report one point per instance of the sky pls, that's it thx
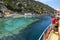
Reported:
(53, 3)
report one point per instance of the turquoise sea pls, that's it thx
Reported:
(23, 28)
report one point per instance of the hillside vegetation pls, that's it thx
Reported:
(28, 6)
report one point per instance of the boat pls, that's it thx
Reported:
(53, 33)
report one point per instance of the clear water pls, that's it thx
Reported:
(15, 23)
(11, 25)
(30, 32)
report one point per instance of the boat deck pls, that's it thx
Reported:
(53, 36)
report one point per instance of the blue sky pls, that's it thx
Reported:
(53, 3)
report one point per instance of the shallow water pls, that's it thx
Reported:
(31, 32)
(8, 26)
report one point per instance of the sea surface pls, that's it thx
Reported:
(31, 32)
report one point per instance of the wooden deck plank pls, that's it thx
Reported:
(53, 36)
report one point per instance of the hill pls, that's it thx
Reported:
(28, 6)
